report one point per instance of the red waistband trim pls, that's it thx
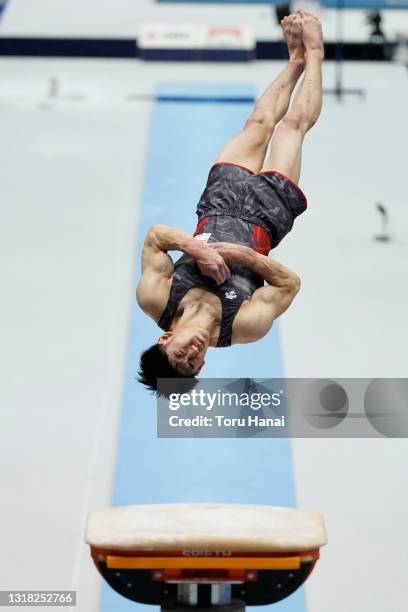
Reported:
(262, 240)
(200, 226)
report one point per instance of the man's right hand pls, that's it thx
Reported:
(212, 264)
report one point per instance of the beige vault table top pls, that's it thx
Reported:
(167, 527)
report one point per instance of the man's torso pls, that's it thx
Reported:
(188, 283)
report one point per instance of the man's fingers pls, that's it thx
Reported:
(215, 268)
(224, 274)
(220, 274)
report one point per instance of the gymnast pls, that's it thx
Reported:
(215, 294)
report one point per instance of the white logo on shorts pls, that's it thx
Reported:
(230, 295)
(203, 237)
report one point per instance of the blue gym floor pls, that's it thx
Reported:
(148, 470)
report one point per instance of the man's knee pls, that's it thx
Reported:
(297, 120)
(262, 122)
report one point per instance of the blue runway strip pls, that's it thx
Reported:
(208, 99)
(184, 141)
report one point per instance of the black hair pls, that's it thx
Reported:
(155, 364)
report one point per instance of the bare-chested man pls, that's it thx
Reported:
(216, 295)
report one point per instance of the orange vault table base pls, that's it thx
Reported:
(222, 556)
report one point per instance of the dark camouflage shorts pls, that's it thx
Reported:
(267, 199)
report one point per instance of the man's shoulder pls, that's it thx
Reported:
(252, 322)
(152, 294)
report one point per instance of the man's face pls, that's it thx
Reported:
(185, 349)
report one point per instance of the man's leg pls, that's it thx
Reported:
(248, 148)
(286, 145)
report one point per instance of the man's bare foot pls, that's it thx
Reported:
(292, 31)
(312, 34)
